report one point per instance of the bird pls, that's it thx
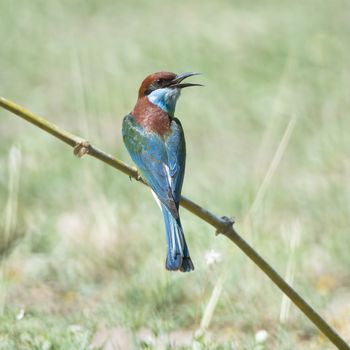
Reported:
(155, 140)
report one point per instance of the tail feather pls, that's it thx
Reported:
(178, 257)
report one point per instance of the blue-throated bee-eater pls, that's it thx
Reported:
(156, 143)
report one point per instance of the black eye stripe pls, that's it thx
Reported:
(148, 91)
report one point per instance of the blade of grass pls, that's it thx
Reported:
(294, 234)
(273, 166)
(210, 308)
(8, 235)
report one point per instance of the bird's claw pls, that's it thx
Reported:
(136, 177)
(81, 148)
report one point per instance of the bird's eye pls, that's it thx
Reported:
(160, 81)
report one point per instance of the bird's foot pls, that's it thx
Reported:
(81, 148)
(137, 177)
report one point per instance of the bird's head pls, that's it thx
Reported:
(163, 89)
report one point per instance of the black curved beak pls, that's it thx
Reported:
(176, 82)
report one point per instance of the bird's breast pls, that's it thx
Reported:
(151, 117)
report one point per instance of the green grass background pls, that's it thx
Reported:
(83, 247)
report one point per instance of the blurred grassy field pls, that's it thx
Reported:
(82, 248)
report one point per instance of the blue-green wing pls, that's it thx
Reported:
(176, 151)
(149, 152)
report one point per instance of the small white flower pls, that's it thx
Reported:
(212, 257)
(46, 345)
(261, 336)
(147, 338)
(20, 315)
(75, 329)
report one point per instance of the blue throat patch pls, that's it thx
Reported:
(165, 99)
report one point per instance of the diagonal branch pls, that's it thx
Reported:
(223, 224)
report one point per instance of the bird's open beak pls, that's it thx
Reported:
(176, 82)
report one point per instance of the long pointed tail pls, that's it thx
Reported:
(178, 257)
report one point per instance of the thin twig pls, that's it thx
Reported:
(223, 225)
